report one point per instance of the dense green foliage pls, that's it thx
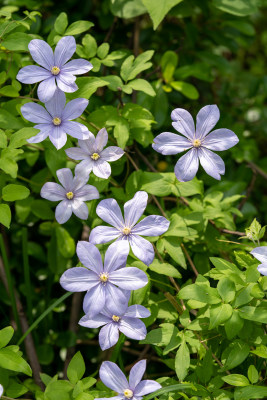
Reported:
(207, 336)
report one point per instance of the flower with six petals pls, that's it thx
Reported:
(261, 254)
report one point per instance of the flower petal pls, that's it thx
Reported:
(262, 268)
(75, 108)
(110, 212)
(112, 153)
(111, 375)
(101, 169)
(134, 208)
(46, 89)
(32, 74)
(187, 166)
(90, 256)
(260, 253)
(42, 53)
(66, 82)
(65, 177)
(78, 66)
(76, 153)
(220, 139)
(75, 130)
(108, 336)
(116, 255)
(207, 118)
(133, 328)
(35, 113)
(103, 234)
(136, 373)
(78, 279)
(79, 208)
(137, 311)
(84, 168)
(145, 387)
(94, 300)
(212, 163)
(40, 136)
(142, 249)
(58, 136)
(116, 299)
(121, 397)
(169, 143)
(64, 50)
(87, 192)
(101, 140)
(56, 104)
(88, 144)
(95, 322)
(53, 191)
(63, 211)
(183, 122)
(154, 225)
(130, 278)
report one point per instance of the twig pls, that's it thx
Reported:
(222, 230)
(144, 158)
(111, 29)
(257, 169)
(28, 98)
(189, 259)
(213, 355)
(140, 357)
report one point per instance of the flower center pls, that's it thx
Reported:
(95, 156)
(55, 70)
(103, 277)
(128, 393)
(56, 121)
(196, 143)
(69, 195)
(115, 318)
(126, 231)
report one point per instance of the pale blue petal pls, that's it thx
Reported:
(42, 53)
(108, 336)
(183, 122)
(116, 256)
(64, 50)
(78, 279)
(134, 208)
(112, 153)
(35, 113)
(66, 82)
(133, 328)
(46, 89)
(94, 300)
(154, 225)
(260, 253)
(111, 375)
(32, 74)
(145, 387)
(58, 136)
(65, 177)
(56, 104)
(53, 191)
(63, 211)
(110, 212)
(168, 143)
(220, 139)
(212, 163)
(101, 140)
(95, 322)
(75, 108)
(77, 67)
(103, 234)
(79, 208)
(130, 278)
(207, 118)
(101, 169)
(137, 311)
(136, 373)
(142, 249)
(90, 256)
(187, 166)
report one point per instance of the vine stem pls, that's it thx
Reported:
(189, 259)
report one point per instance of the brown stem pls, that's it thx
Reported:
(141, 155)
(111, 29)
(189, 259)
(213, 355)
(257, 169)
(222, 230)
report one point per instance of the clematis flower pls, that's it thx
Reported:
(126, 229)
(55, 71)
(127, 322)
(93, 156)
(1, 390)
(103, 284)
(56, 120)
(261, 254)
(73, 193)
(198, 141)
(112, 376)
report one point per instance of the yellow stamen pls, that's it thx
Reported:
(69, 195)
(95, 156)
(128, 393)
(126, 231)
(115, 318)
(55, 70)
(56, 121)
(196, 143)
(103, 277)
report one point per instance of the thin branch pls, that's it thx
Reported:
(213, 355)
(144, 158)
(111, 29)
(189, 259)
(257, 169)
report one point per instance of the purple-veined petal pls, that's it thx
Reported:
(75, 108)
(260, 253)
(262, 268)
(183, 122)
(101, 140)
(46, 89)
(53, 191)
(207, 118)
(108, 336)
(116, 255)
(142, 249)
(42, 53)
(220, 139)
(79, 181)
(111, 375)
(187, 166)
(58, 136)
(90, 256)
(145, 387)
(56, 104)
(136, 373)
(76, 153)
(130, 278)
(112, 153)
(94, 300)
(95, 322)
(211, 162)
(88, 144)
(84, 168)
(101, 169)
(103, 234)
(170, 143)
(87, 192)
(65, 177)
(66, 82)
(32, 74)
(35, 113)
(137, 311)
(75, 130)
(133, 328)
(79, 208)
(116, 299)
(110, 212)
(154, 225)
(40, 135)
(64, 50)
(63, 211)
(77, 67)
(78, 279)
(134, 208)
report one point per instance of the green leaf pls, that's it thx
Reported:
(14, 362)
(17, 41)
(66, 243)
(41, 209)
(78, 27)
(103, 50)
(131, 67)
(127, 8)
(182, 361)
(235, 354)
(219, 314)
(172, 247)
(6, 335)
(233, 325)
(186, 89)
(168, 65)
(121, 132)
(5, 215)
(226, 289)
(240, 8)
(3, 139)
(257, 314)
(201, 293)
(87, 86)
(61, 23)
(251, 392)
(58, 390)
(253, 374)
(236, 380)
(19, 138)
(9, 91)
(76, 368)
(8, 121)
(143, 86)
(15, 192)
(164, 269)
(158, 9)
